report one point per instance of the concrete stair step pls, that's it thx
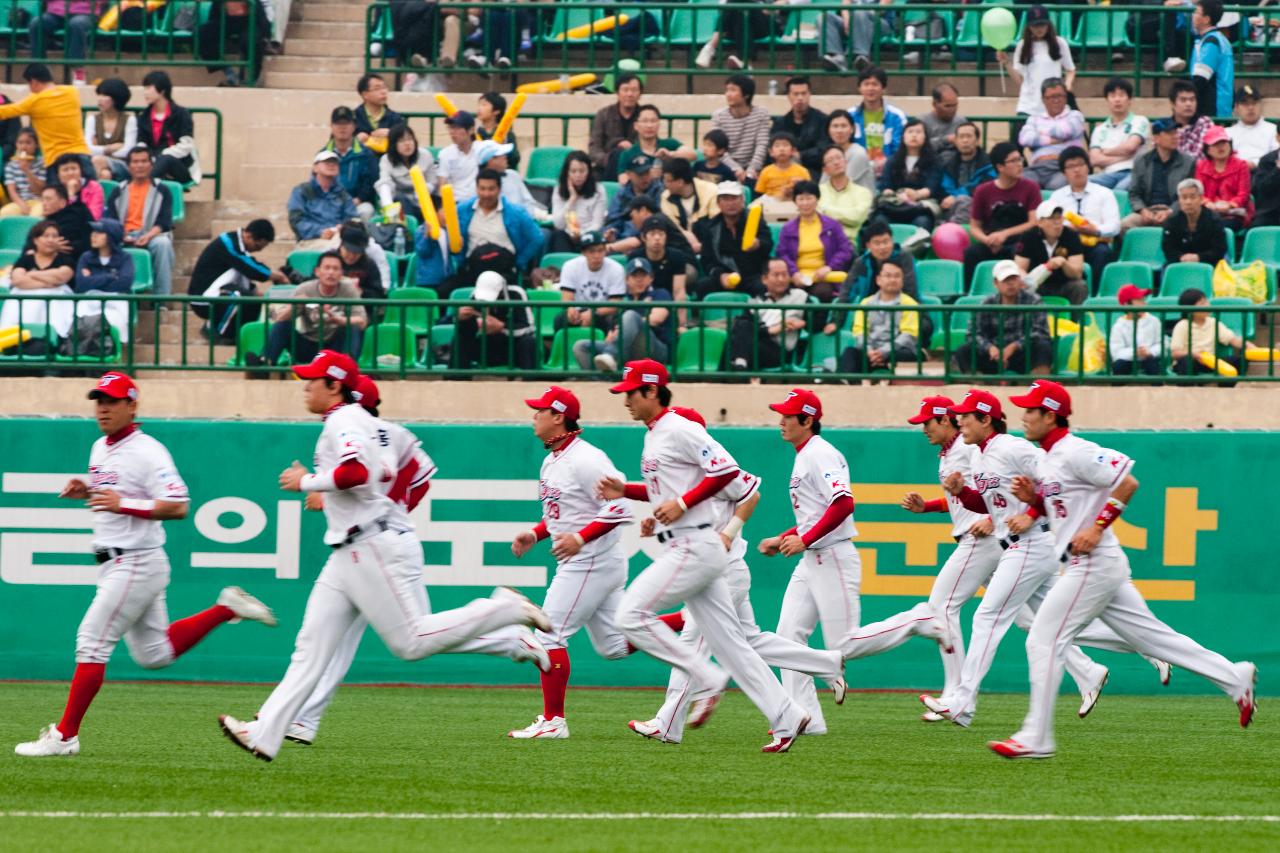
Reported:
(301, 80)
(351, 33)
(320, 47)
(331, 64)
(356, 12)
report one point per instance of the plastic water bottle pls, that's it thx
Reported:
(398, 242)
(773, 87)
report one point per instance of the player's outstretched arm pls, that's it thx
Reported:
(108, 500)
(1088, 537)
(526, 539)
(75, 489)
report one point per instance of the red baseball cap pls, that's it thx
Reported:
(639, 373)
(979, 401)
(690, 415)
(1044, 394)
(116, 385)
(333, 365)
(799, 402)
(1130, 292)
(557, 399)
(930, 408)
(366, 393)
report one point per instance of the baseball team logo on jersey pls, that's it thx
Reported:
(547, 492)
(983, 483)
(1049, 490)
(648, 465)
(173, 486)
(100, 477)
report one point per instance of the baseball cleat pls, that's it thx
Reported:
(839, 687)
(298, 733)
(245, 606)
(238, 733)
(531, 649)
(1162, 667)
(783, 744)
(1089, 698)
(943, 710)
(533, 614)
(1248, 704)
(932, 717)
(542, 729)
(932, 628)
(700, 710)
(650, 729)
(1012, 749)
(50, 743)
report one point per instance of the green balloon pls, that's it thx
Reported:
(998, 28)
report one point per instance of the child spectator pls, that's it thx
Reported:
(24, 177)
(712, 166)
(490, 108)
(1041, 55)
(778, 179)
(1200, 335)
(1137, 339)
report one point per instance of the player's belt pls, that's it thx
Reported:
(1005, 543)
(104, 555)
(363, 531)
(668, 535)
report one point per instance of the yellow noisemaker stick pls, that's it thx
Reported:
(445, 104)
(450, 207)
(1221, 365)
(550, 87)
(424, 201)
(509, 118)
(752, 228)
(602, 25)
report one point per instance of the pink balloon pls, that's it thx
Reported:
(950, 241)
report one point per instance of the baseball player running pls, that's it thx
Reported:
(683, 467)
(412, 482)
(370, 571)
(1082, 488)
(132, 488)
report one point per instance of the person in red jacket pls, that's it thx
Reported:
(1226, 180)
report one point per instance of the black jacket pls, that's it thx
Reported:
(1209, 240)
(177, 124)
(1266, 190)
(811, 137)
(225, 252)
(722, 248)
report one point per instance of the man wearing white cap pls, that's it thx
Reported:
(1051, 256)
(319, 206)
(727, 265)
(1008, 340)
(495, 156)
(497, 333)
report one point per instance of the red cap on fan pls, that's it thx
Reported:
(799, 402)
(557, 399)
(978, 401)
(1044, 394)
(690, 415)
(930, 408)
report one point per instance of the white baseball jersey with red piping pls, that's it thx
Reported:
(351, 433)
(819, 475)
(567, 489)
(413, 466)
(135, 467)
(964, 458)
(726, 503)
(1001, 459)
(1076, 479)
(669, 471)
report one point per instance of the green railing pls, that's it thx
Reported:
(918, 40)
(215, 174)
(415, 338)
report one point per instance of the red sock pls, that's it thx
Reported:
(674, 621)
(84, 686)
(555, 683)
(185, 633)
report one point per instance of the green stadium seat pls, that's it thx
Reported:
(958, 329)
(1062, 348)
(940, 278)
(1143, 245)
(1122, 201)
(108, 187)
(822, 353)
(982, 283)
(1184, 276)
(1241, 323)
(610, 190)
(557, 259)
(692, 27)
(545, 317)
(1103, 29)
(560, 356)
(179, 205)
(418, 318)
(544, 163)
(143, 280)
(388, 346)
(252, 338)
(39, 332)
(1119, 273)
(14, 230)
(700, 350)
(302, 261)
(721, 317)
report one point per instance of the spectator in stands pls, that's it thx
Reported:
(670, 265)
(964, 168)
(943, 120)
(1266, 191)
(746, 125)
(422, 30)
(491, 155)
(806, 125)
(911, 184)
(1136, 338)
(357, 266)
(373, 119)
(357, 165)
(24, 177)
(229, 25)
(1212, 70)
(318, 206)
(613, 128)
(73, 20)
(1041, 55)
(496, 236)
(111, 132)
(490, 108)
(723, 257)
(227, 267)
(105, 268)
(1051, 257)
(639, 332)
(144, 208)
(167, 128)
(685, 200)
(778, 179)
(394, 184)
(882, 339)
(639, 209)
(510, 336)
(54, 112)
(741, 30)
(764, 338)
(458, 165)
(864, 24)
(840, 131)
(303, 329)
(578, 204)
(649, 142)
(1002, 210)
(813, 245)
(642, 181)
(591, 277)
(1198, 335)
(1253, 137)
(43, 270)
(1193, 233)
(69, 171)
(842, 199)
(1153, 189)
(715, 151)
(1050, 132)
(1091, 210)
(1007, 340)
(490, 40)
(877, 123)
(72, 218)
(433, 258)
(880, 249)
(1191, 124)
(1226, 180)
(1115, 143)
(9, 129)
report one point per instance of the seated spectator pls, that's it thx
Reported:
(421, 31)
(111, 132)
(643, 182)
(69, 172)
(806, 126)
(1226, 179)
(778, 179)
(650, 143)
(882, 339)
(842, 199)
(490, 108)
(639, 210)
(71, 217)
(496, 236)
(1047, 134)
(317, 207)
(302, 329)
(712, 166)
(24, 177)
(877, 123)
(1002, 210)
(964, 168)
(613, 128)
(880, 249)
(433, 258)
(1199, 335)
(46, 269)
(73, 20)
(1157, 173)
(490, 40)
(723, 257)
(639, 332)
(1266, 190)
(742, 31)
(813, 246)
(943, 119)
(490, 155)
(54, 112)
(765, 338)
(1051, 258)
(373, 119)
(1252, 137)
(357, 266)
(862, 27)
(1040, 55)
(357, 166)
(1091, 210)
(578, 205)
(1115, 143)
(105, 268)
(1137, 339)
(227, 267)
(591, 277)
(229, 25)
(747, 127)
(1191, 125)
(394, 184)
(1194, 233)
(840, 131)
(670, 265)
(458, 164)
(144, 208)
(510, 336)
(1007, 340)
(685, 200)
(166, 128)
(911, 184)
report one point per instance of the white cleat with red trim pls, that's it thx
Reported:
(531, 649)
(533, 614)
(783, 744)
(50, 743)
(1089, 698)
(1012, 749)
(651, 729)
(542, 729)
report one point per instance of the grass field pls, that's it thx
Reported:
(401, 768)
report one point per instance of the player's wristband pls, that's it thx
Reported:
(1033, 512)
(1109, 513)
(732, 528)
(936, 505)
(540, 531)
(580, 540)
(317, 482)
(683, 505)
(137, 508)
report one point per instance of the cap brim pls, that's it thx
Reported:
(98, 394)
(919, 419)
(623, 387)
(782, 409)
(537, 403)
(309, 371)
(956, 410)
(1026, 401)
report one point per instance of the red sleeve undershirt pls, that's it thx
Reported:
(540, 531)
(972, 501)
(404, 477)
(1036, 508)
(708, 487)
(936, 505)
(840, 509)
(636, 491)
(416, 494)
(596, 529)
(350, 474)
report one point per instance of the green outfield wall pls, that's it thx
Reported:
(1200, 538)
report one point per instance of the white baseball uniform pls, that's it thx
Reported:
(678, 455)
(1077, 477)
(370, 572)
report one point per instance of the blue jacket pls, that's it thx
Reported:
(525, 234)
(895, 120)
(116, 276)
(312, 210)
(357, 171)
(433, 267)
(618, 217)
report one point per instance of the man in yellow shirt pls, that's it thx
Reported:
(55, 115)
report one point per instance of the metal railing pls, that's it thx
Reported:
(215, 174)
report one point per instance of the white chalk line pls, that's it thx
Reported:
(637, 816)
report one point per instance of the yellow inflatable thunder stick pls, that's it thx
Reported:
(450, 207)
(509, 118)
(1221, 365)
(550, 87)
(601, 25)
(429, 217)
(445, 104)
(752, 228)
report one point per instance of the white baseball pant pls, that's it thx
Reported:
(824, 588)
(693, 571)
(970, 566)
(370, 577)
(1098, 585)
(129, 603)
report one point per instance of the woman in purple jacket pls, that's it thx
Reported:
(814, 246)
